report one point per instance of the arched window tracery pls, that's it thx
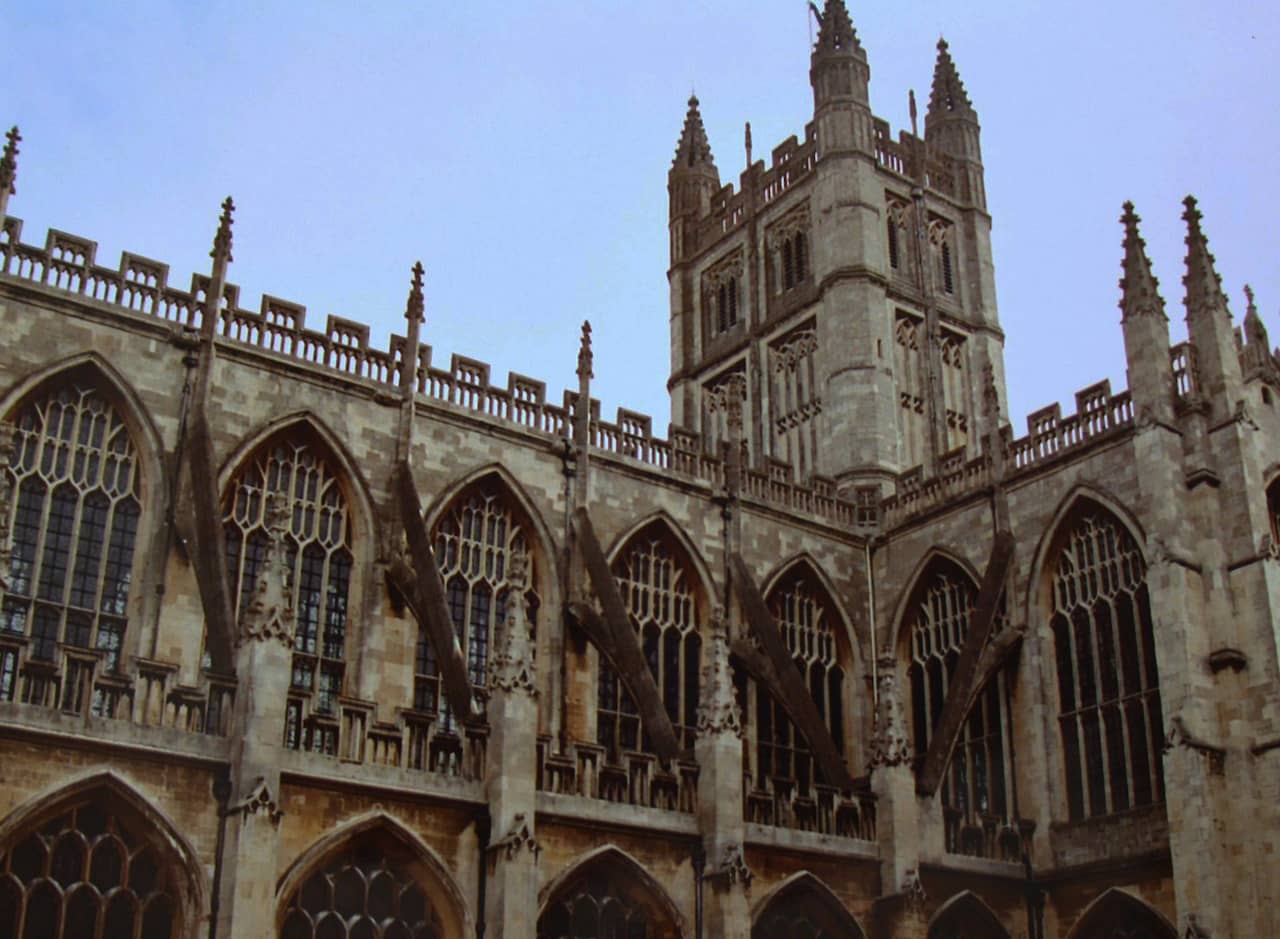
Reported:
(807, 618)
(978, 784)
(373, 888)
(656, 581)
(473, 542)
(608, 898)
(1117, 915)
(1108, 683)
(318, 554)
(88, 871)
(76, 492)
(805, 911)
(966, 917)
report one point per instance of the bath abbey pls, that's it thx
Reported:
(306, 638)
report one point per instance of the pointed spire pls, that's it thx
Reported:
(1139, 289)
(413, 316)
(947, 97)
(9, 161)
(694, 149)
(718, 702)
(1204, 286)
(836, 32)
(413, 310)
(1257, 349)
(222, 240)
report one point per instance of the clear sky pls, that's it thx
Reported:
(520, 150)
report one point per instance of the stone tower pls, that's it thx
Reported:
(849, 283)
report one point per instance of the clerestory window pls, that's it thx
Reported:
(657, 588)
(318, 554)
(1108, 683)
(977, 784)
(74, 527)
(474, 543)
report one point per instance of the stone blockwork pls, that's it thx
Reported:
(299, 637)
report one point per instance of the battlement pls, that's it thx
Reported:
(1099, 414)
(792, 161)
(141, 286)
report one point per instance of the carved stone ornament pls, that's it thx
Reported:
(727, 395)
(718, 704)
(797, 220)
(511, 666)
(732, 871)
(722, 271)
(258, 800)
(939, 232)
(519, 838)
(797, 348)
(890, 745)
(1244, 416)
(270, 613)
(7, 449)
(1267, 548)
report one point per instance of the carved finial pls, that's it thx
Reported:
(747, 141)
(1204, 286)
(511, 665)
(911, 108)
(585, 357)
(693, 148)
(718, 702)
(270, 613)
(222, 240)
(8, 445)
(913, 890)
(889, 744)
(1139, 289)
(947, 95)
(735, 394)
(1257, 350)
(9, 161)
(413, 310)
(835, 30)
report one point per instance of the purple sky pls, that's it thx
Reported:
(521, 151)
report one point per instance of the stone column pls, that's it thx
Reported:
(718, 750)
(900, 909)
(511, 897)
(262, 657)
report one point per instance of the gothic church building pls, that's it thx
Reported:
(308, 639)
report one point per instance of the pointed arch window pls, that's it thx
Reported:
(609, 897)
(318, 553)
(978, 784)
(966, 917)
(794, 259)
(372, 889)
(785, 770)
(656, 582)
(88, 871)
(473, 546)
(1108, 684)
(74, 528)
(805, 910)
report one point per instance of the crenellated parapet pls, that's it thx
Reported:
(141, 286)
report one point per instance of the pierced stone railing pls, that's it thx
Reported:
(636, 778)
(1099, 413)
(822, 809)
(986, 836)
(141, 286)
